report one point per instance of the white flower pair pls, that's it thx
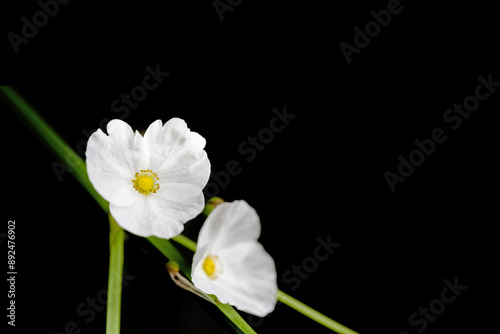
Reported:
(154, 186)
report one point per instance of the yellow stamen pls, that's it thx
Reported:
(209, 266)
(145, 182)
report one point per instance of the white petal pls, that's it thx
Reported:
(139, 218)
(195, 172)
(181, 201)
(112, 160)
(228, 224)
(247, 279)
(163, 213)
(196, 266)
(176, 153)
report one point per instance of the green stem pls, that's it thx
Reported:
(186, 242)
(286, 299)
(116, 240)
(313, 314)
(235, 317)
(71, 159)
(78, 168)
(171, 253)
(117, 235)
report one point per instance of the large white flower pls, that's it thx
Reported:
(230, 263)
(153, 183)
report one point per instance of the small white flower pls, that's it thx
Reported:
(153, 183)
(230, 263)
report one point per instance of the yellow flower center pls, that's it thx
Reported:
(145, 182)
(209, 266)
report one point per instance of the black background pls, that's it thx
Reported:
(322, 175)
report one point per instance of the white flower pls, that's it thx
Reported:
(153, 183)
(230, 263)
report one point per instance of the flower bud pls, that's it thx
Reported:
(173, 267)
(212, 204)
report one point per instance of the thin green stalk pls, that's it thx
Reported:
(235, 317)
(287, 299)
(67, 155)
(186, 242)
(171, 253)
(116, 240)
(313, 314)
(79, 170)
